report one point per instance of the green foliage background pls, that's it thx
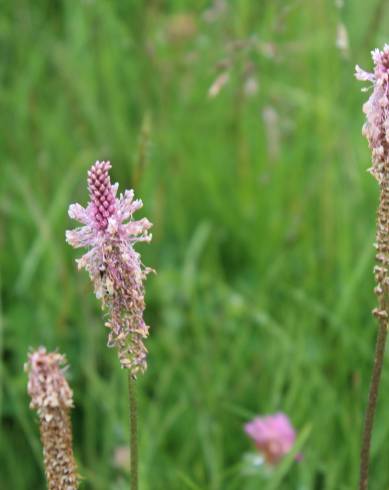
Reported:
(264, 253)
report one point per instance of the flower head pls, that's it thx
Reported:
(114, 267)
(273, 436)
(376, 128)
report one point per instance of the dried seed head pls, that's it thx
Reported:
(52, 398)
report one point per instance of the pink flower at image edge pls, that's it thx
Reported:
(376, 127)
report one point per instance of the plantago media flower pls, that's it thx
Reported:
(52, 398)
(273, 436)
(376, 128)
(114, 267)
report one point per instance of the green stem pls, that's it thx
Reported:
(133, 433)
(372, 403)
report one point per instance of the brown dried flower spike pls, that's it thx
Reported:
(52, 398)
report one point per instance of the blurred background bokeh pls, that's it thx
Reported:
(239, 125)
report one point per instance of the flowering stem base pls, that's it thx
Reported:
(133, 432)
(372, 403)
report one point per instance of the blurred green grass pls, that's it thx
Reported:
(263, 228)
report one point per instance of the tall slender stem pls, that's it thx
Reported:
(376, 132)
(372, 402)
(133, 432)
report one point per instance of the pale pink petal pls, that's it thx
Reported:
(79, 213)
(81, 237)
(363, 75)
(115, 188)
(137, 227)
(126, 205)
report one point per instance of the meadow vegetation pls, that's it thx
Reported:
(263, 233)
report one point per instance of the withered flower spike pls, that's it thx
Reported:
(52, 398)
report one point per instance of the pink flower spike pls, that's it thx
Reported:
(376, 127)
(115, 268)
(273, 436)
(101, 194)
